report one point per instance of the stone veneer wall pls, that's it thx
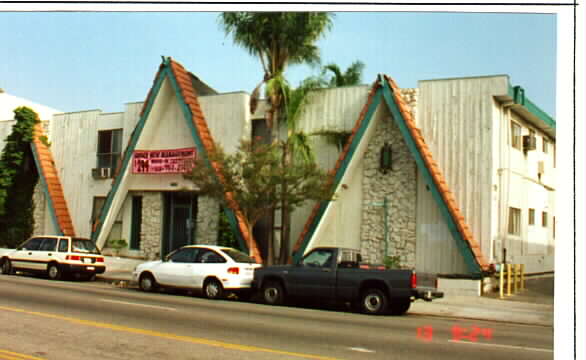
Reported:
(206, 231)
(152, 224)
(208, 216)
(399, 186)
(39, 203)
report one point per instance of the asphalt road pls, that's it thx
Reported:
(42, 319)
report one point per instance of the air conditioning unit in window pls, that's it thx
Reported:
(529, 142)
(101, 173)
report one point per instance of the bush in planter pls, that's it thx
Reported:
(117, 244)
(392, 262)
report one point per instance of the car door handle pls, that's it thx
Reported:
(50, 254)
(30, 253)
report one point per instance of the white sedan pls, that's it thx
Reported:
(214, 270)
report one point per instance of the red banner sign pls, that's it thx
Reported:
(175, 161)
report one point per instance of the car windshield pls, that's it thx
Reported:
(84, 246)
(238, 256)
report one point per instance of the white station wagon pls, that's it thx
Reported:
(214, 270)
(54, 256)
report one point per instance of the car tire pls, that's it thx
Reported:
(7, 267)
(399, 307)
(273, 293)
(147, 283)
(89, 277)
(54, 271)
(373, 302)
(213, 289)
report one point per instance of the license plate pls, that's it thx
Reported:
(90, 268)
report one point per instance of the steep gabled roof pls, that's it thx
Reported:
(433, 176)
(183, 84)
(386, 89)
(51, 184)
(336, 174)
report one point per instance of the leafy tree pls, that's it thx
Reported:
(277, 40)
(253, 174)
(18, 178)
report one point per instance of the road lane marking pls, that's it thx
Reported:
(169, 336)
(502, 346)
(361, 349)
(138, 304)
(12, 355)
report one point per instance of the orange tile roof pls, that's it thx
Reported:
(437, 176)
(190, 98)
(431, 165)
(49, 173)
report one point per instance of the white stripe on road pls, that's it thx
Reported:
(502, 346)
(359, 349)
(137, 304)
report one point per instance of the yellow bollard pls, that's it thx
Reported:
(508, 279)
(502, 281)
(522, 277)
(515, 278)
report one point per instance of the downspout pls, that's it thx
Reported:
(504, 190)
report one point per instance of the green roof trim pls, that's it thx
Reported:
(201, 149)
(46, 191)
(518, 95)
(340, 173)
(462, 245)
(129, 151)
(165, 72)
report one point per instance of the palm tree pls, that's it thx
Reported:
(352, 75)
(277, 40)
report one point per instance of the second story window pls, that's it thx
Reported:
(514, 221)
(531, 216)
(109, 148)
(516, 135)
(545, 146)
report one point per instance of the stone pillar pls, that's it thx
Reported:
(208, 216)
(40, 206)
(152, 225)
(399, 186)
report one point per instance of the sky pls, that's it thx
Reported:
(74, 61)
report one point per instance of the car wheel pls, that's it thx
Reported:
(400, 307)
(54, 272)
(147, 283)
(373, 302)
(7, 267)
(273, 293)
(213, 289)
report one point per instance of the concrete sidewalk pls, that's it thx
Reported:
(534, 306)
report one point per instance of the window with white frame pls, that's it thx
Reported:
(109, 148)
(545, 146)
(516, 135)
(544, 219)
(514, 221)
(531, 216)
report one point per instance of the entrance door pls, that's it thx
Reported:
(179, 225)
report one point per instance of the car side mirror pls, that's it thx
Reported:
(19, 248)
